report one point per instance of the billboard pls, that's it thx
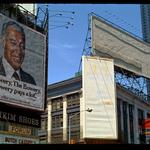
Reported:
(22, 50)
(99, 95)
(128, 52)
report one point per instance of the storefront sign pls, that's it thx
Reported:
(18, 118)
(11, 139)
(19, 130)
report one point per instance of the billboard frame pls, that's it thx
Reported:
(43, 86)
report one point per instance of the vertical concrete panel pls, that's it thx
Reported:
(49, 122)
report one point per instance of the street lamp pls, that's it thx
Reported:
(69, 124)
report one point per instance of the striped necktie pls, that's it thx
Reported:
(16, 76)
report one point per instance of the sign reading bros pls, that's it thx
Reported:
(21, 119)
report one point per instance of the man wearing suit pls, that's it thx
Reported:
(13, 38)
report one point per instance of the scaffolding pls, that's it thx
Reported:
(129, 80)
(37, 22)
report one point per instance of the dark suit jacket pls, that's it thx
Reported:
(25, 77)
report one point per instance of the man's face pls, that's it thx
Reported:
(14, 47)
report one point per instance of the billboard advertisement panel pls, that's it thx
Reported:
(99, 95)
(128, 52)
(22, 65)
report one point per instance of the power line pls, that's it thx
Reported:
(59, 18)
(121, 20)
(63, 11)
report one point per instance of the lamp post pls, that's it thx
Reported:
(69, 124)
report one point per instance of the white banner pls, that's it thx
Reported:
(99, 95)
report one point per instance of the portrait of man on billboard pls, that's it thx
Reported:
(22, 64)
(13, 44)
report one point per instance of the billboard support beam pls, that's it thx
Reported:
(111, 41)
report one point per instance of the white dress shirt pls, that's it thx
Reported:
(8, 69)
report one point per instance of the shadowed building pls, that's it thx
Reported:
(65, 98)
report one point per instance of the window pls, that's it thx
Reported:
(131, 108)
(57, 104)
(73, 100)
(140, 125)
(75, 135)
(148, 115)
(75, 120)
(43, 139)
(44, 123)
(125, 124)
(57, 121)
(57, 138)
(2, 125)
(74, 126)
(119, 118)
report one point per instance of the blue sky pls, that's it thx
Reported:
(66, 45)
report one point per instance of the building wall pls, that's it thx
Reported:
(134, 110)
(145, 21)
(131, 112)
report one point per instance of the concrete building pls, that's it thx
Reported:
(145, 20)
(64, 99)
